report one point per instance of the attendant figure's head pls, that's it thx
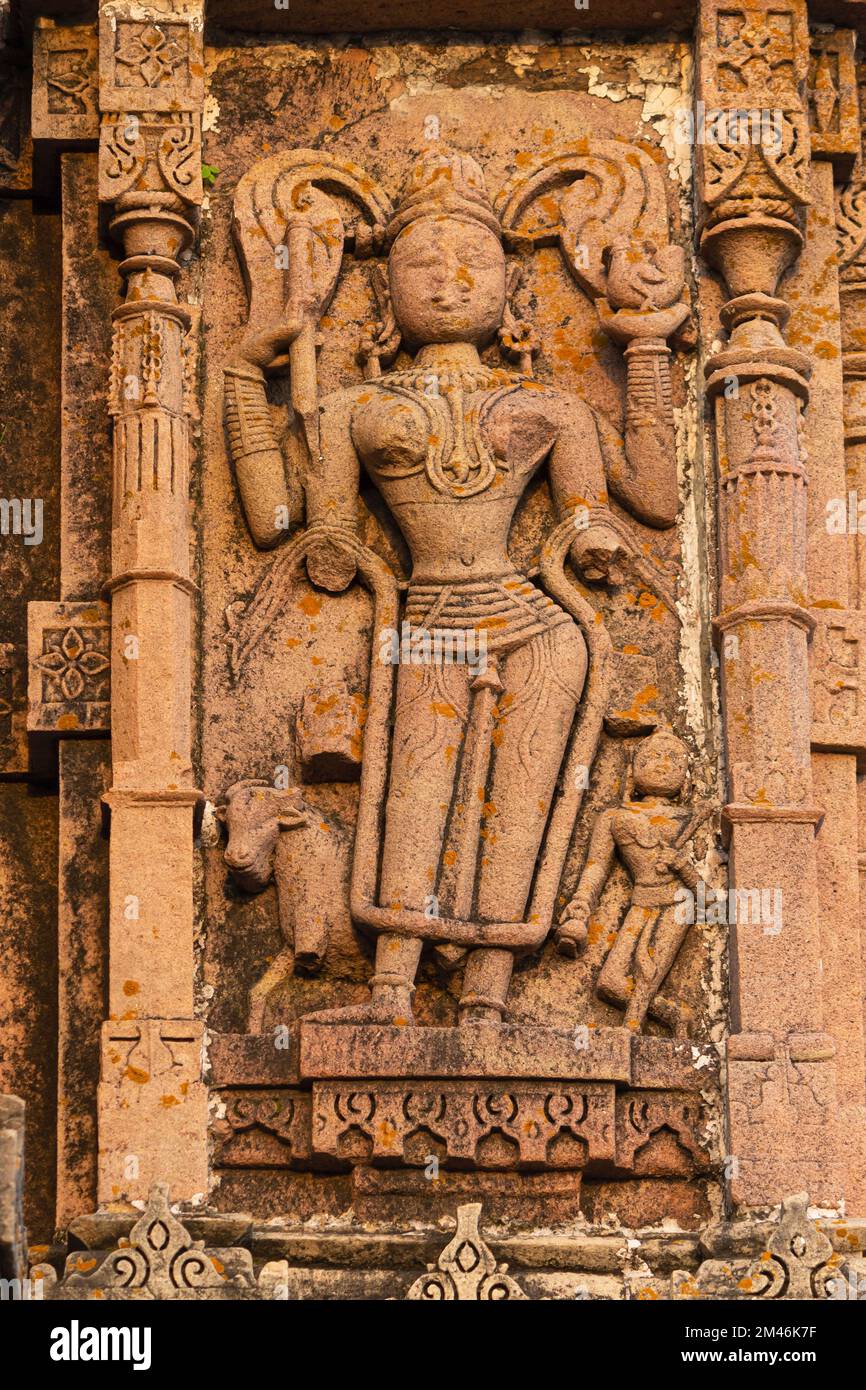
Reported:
(660, 765)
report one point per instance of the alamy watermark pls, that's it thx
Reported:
(421, 646)
(22, 516)
(756, 907)
(846, 515)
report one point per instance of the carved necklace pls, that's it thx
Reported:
(458, 461)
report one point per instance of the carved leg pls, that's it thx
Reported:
(543, 682)
(617, 978)
(485, 986)
(663, 940)
(430, 721)
(279, 969)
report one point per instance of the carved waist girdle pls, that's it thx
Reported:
(509, 609)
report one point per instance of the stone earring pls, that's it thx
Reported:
(380, 340)
(518, 339)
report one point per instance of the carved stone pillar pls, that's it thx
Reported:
(842, 679)
(153, 1104)
(754, 189)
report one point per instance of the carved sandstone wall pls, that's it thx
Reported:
(433, 712)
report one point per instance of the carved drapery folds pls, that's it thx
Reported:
(150, 95)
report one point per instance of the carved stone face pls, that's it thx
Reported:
(447, 281)
(660, 766)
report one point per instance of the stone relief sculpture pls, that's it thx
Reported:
(474, 767)
(651, 833)
(431, 622)
(275, 835)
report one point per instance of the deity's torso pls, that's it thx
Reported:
(452, 453)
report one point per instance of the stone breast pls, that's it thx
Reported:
(463, 439)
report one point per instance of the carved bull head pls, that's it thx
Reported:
(254, 812)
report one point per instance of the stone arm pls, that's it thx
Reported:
(599, 861)
(685, 870)
(572, 931)
(577, 481)
(256, 456)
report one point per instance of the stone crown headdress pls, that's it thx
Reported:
(442, 182)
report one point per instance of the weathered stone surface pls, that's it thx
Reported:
(70, 668)
(420, 863)
(65, 102)
(160, 1260)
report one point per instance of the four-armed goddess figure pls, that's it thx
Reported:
(472, 772)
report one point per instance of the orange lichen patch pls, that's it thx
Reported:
(387, 1133)
(652, 604)
(218, 1265)
(337, 122)
(131, 987)
(67, 721)
(168, 1101)
(83, 1265)
(594, 932)
(443, 709)
(488, 809)
(643, 698)
(449, 858)
(311, 604)
(324, 706)
(137, 1075)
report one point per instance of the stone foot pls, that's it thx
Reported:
(391, 1012)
